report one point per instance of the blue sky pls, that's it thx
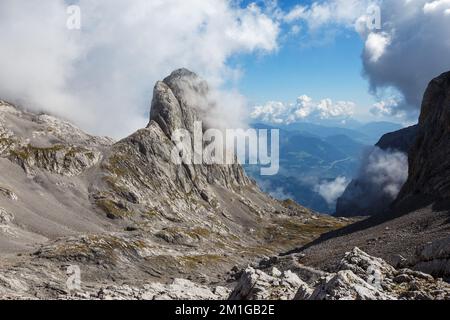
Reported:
(304, 65)
(140, 42)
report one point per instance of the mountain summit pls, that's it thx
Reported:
(125, 210)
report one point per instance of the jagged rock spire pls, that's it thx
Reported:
(178, 100)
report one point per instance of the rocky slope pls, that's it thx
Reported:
(358, 276)
(364, 195)
(124, 212)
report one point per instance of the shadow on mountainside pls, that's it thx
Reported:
(442, 205)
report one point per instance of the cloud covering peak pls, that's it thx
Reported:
(102, 75)
(408, 48)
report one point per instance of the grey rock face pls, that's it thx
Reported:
(345, 285)
(5, 217)
(429, 169)
(401, 140)
(5, 192)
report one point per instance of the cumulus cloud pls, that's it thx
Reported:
(332, 190)
(102, 75)
(305, 109)
(272, 112)
(437, 6)
(409, 48)
(376, 45)
(388, 108)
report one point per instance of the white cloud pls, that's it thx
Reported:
(295, 29)
(388, 108)
(323, 109)
(437, 6)
(276, 192)
(375, 46)
(417, 49)
(386, 170)
(325, 13)
(410, 48)
(332, 190)
(102, 76)
(273, 112)
(305, 109)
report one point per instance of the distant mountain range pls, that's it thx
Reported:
(312, 155)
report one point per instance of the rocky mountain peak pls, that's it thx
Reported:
(178, 101)
(429, 169)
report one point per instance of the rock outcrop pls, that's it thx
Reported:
(429, 168)
(140, 173)
(358, 276)
(434, 258)
(257, 285)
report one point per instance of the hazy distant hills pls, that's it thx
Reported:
(313, 154)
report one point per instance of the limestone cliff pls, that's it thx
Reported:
(429, 168)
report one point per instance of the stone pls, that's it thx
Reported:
(8, 194)
(346, 285)
(429, 173)
(5, 217)
(257, 285)
(434, 258)
(398, 261)
(359, 276)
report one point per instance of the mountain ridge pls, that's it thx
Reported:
(124, 211)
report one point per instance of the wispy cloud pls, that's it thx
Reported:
(102, 76)
(382, 174)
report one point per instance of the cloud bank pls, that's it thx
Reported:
(412, 49)
(332, 190)
(305, 109)
(102, 76)
(409, 49)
